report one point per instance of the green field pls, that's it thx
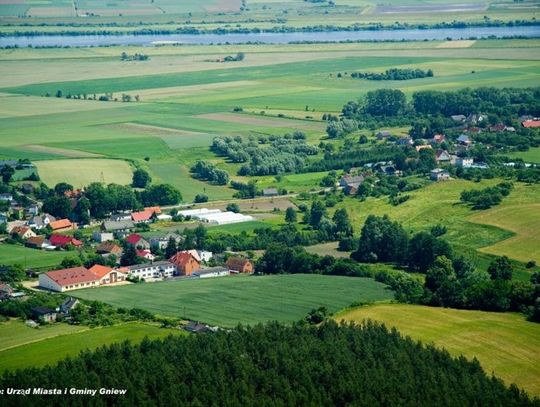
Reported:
(30, 258)
(81, 172)
(509, 228)
(30, 347)
(532, 155)
(185, 101)
(227, 301)
(504, 343)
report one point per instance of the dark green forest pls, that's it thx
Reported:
(272, 365)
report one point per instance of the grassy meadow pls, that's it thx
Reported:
(504, 343)
(228, 301)
(31, 258)
(31, 347)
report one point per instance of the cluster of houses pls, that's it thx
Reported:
(182, 264)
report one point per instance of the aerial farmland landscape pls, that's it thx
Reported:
(269, 202)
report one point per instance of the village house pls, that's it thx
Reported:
(32, 210)
(464, 140)
(438, 139)
(137, 241)
(270, 192)
(62, 241)
(68, 279)
(108, 248)
(438, 174)
(185, 263)
(6, 197)
(117, 217)
(107, 275)
(239, 265)
(38, 242)
(44, 314)
(62, 225)
(40, 222)
(146, 254)
(119, 228)
(24, 232)
(69, 304)
(531, 124)
(405, 141)
(443, 156)
(163, 241)
(464, 162)
(350, 183)
(150, 271)
(101, 237)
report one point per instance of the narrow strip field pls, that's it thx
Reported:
(227, 301)
(67, 342)
(504, 343)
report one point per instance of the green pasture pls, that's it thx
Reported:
(504, 343)
(81, 172)
(438, 203)
(33, 349)
(31, 258)
(227, 301)
(532, 155)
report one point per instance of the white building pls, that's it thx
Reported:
(101, 237)
(212, 272)
(149, 271)
(464, 162)
(68, 279)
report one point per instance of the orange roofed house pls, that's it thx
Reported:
(61, 225)
(185, 263)
(68, 279)
(107, 275)
(239, 265)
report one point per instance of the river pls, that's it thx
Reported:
(271, 37)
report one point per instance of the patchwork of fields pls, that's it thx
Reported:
(504, 343)
(228, 301)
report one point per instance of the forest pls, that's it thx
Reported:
(272, 365)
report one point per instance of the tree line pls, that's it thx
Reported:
(271, 364)
(394, 74)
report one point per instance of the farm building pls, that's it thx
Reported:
(531, 124)
(185, 263)
(464, 140)
(62, 241)
(68, 279)
(38, 242)
(224, 218)
(142, 216)
(351, 183)
(239, 265)
(163, 241)
(270, 192)
(194, 213)
(438, 174)
(383, 134)
(212, 272)
(70, 303)
(155, 270)
(107, 275)
(61, 225)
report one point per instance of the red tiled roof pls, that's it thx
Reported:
(142, 253)
(531, 124)
(141, 216)
(74, 275)
(20, 230)
(100, 271)
(180, 259)
(133, 238)
(61, 224)
(153, 209)
(237, 263)
(62, 240)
